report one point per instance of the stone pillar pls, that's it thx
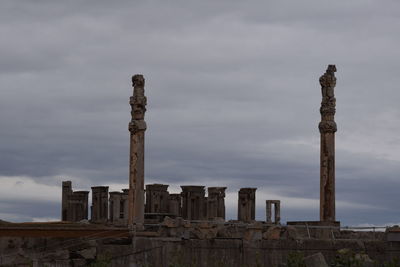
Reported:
(137, 128)
(175, 204)
(277, 204)
(216, 202)
(99, 204)
(193, 199)
(247, 204)
(66, 192)
(157, 198)
(327, 128)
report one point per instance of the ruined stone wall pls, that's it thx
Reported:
(167, 252)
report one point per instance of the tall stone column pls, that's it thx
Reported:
(137, 128)
(327, 128)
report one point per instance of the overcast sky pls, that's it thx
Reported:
(233, 100)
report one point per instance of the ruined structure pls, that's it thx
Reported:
(99, 204)
(175, 205)
(277, 211)
(118, 214)
(327, 128)
(137, 128)
(74, 206)
(66, 192)
(193, 202)
(186, 241)
(247, 204)
(216, 202)
(157, 198)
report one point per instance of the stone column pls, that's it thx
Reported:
(247, 204)
(157, 198)
(137, 128)
(66, 192)
(216, 202)
(327, 128)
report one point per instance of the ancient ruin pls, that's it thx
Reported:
(74, 204)
(99, 209)
(277, 211)
(150, 226)
(175, 205)
(327, 128)
(194, 202)
(157, 198)
(118, 202)
(137, 128)
(216, 203)
(247, 204)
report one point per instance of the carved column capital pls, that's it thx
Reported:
(138, 104)
(327, 127)
(328, 103)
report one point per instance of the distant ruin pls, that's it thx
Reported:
(132, 206)
(146, 225)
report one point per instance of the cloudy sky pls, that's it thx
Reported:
(233, 100)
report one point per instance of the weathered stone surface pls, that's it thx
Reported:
(169, 251)
(277, 204)
(79, 263)
(193, 202)
(169, 222)
(175, 204)
(292, 233)
(66, 192)
(60, 254)
(74, 205)
(216, 202)
(327, 128)
(89, 253)
(365, 260)
(137, 128)
(247, 204)
(99, 204)
(118, 214)
(273, 233)
(157, 198)
(315, 260)
(253, 234)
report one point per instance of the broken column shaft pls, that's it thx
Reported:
(137, 128)
(327, 128)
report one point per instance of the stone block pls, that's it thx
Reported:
(273, 233)
(89, 253)
(169, 222)
(79, 262)
(315, 260)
